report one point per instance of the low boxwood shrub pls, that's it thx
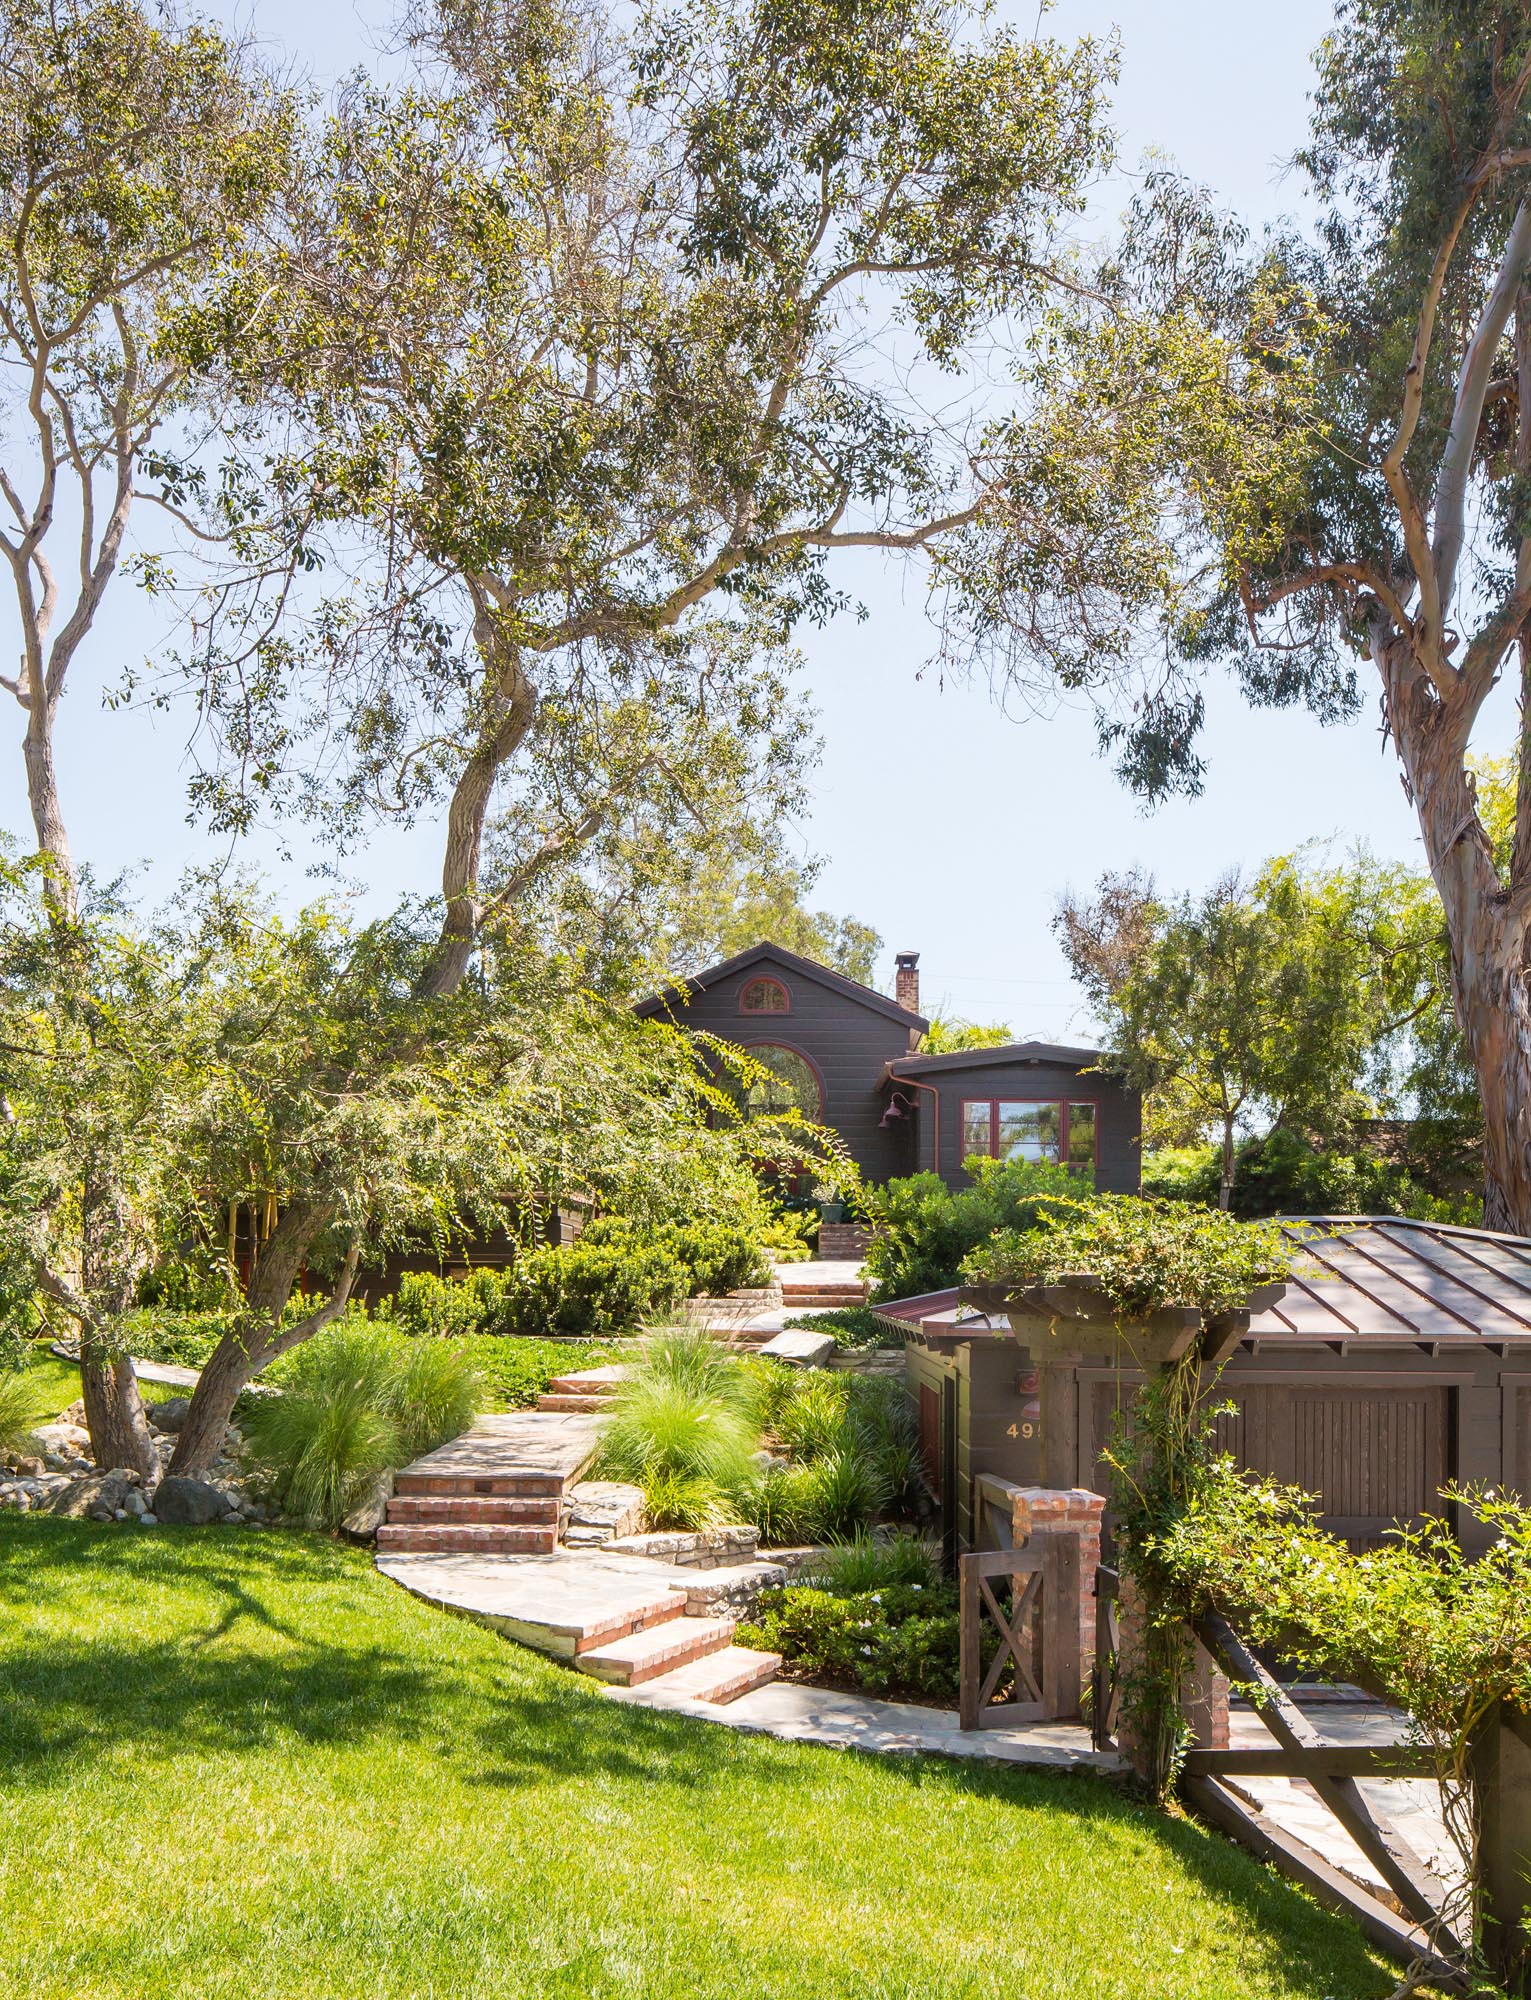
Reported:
(847, 1326)
(716, 1258)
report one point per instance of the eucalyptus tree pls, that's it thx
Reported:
(139, 153)
(1321, 467)
(596, 338)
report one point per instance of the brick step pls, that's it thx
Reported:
(719, 1677)
(590, 1381)
(806, 1299)
(656, 1649)
(465, 1538)
(549, 1400)
(501, 1486)
(465, 1509)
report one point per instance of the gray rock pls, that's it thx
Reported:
(169, 1415)
(189, 1503)
(148, 1520)
(97, 1497)
(801, 1348)
(367, 1516)
(604, 1508)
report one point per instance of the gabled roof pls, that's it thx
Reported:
(767, 954)
(1361, 1281)
(1006, 1052)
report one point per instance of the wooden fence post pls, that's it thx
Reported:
(1502, 1778)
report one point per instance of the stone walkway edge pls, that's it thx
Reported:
(793, 1713)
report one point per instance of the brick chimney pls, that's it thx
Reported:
(906, 980)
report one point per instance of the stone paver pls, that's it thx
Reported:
(856, 1722)
(554, 1604)
(552, 1443)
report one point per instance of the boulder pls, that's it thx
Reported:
(169, 1415)
(96, 1497)
(189, 1503)
(800, 1348)
(601, 1508)
(366, 1517)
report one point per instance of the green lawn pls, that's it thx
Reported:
(58, 1382)
(242, 1763)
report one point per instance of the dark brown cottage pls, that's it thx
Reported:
(1399, 1360)
(848, 1057)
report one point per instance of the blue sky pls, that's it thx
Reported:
(947, 825)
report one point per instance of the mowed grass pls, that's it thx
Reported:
(235, 1763)
(58, 1385)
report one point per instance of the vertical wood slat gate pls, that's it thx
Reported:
(1038, 1633)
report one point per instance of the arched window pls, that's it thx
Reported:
(790, 1084)
(765, 996)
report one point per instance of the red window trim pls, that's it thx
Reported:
(766, 1013)
(1064, 1104)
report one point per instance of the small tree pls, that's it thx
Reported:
(1236, 1005)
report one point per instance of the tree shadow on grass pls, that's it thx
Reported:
(283, 1649)
(269, 1657)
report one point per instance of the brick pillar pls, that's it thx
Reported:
(1039, 1512)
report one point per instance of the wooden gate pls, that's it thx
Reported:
(1027, 1600)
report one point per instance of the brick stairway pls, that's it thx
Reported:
(588, 1390)
(497, 1491)
(821, 1284)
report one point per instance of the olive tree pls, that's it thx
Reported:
(139, 156)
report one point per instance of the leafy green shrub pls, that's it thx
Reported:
(1142, 1254)
(791, 1236)
(716, 1258)
(577, 1288)
(1282, 1174)
(599, 1288)
(356, 1400)
(423, 1303)
(849, 1326)
(23, 1405)
(926, 1228)
(684, 1427)
(900, 1639)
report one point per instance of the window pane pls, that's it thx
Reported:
(975, 1130)
(789, 1085)
(763, 996)
(1081, 1135)
(1029, 1131)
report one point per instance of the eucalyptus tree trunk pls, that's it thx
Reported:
(1486, 924)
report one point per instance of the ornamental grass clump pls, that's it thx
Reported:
(23, 1405)
(684, 1427)
(355, 1402)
